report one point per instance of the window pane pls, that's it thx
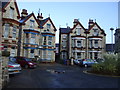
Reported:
(6, 30)
(48, 26)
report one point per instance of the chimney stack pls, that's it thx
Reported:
(24, 13)
(90, 23)
(75, 21)
(39, 17)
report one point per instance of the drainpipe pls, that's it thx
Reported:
(0, 45)
(19, 39)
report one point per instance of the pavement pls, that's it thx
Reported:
(60, 76)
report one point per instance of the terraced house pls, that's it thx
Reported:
(47, 39)
(10, 26)
(27, 35)
(80, 43)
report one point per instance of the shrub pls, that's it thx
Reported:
(111, 65)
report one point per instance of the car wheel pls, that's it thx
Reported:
(86, 65)
(26, 66)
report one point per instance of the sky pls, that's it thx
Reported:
(64, 13)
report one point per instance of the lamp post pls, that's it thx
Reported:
(112, 37)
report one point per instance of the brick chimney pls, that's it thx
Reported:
(90, 23)
(24, 13)
(39, 17)
(75, 21)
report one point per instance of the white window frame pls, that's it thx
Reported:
(90, 43)
(50, 40)
(78, 30)
(6, 30)
(44, 54)
(49, 55)
(79, 44)
(48, 26)
(13, 52)
(96, 43)
(14, 32)
(33, 39)
(32, 24)
(95, 32)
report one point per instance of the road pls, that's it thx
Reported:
(60, 76)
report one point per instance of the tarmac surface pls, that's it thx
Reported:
(60, 76)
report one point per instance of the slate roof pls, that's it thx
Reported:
(42, 22)
(4, 3)
(23, 20)
(65, 30)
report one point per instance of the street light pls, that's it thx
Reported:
(112, 37)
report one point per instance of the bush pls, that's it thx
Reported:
(111, 65)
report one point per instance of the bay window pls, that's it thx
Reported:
(6, 30)
(14, 32)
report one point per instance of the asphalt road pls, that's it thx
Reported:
(60, 76)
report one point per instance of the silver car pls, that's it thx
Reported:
(13, 68)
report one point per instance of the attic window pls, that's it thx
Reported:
(48, 26)
(32, 23)
(78, 31)
(95, 32)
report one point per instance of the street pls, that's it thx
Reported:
(60, 76)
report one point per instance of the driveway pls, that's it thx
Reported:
(60, 76)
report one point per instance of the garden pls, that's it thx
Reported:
(110, 66)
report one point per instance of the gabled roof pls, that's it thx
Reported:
(5, 4)
(27, 17)
(97, 26)
(65, 30)
(43, 22)
(78, 23)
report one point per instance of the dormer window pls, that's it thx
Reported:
(32, 24)
(11, 12)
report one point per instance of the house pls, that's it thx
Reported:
(8, 35)
(29, 35)
(109, 48)
(79, 43)
(117, 40)
(47, 39)
(10, 26)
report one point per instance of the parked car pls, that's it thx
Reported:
(100, 60)
(77, 61)
(13, 68)
(26, 62)
(87, 62)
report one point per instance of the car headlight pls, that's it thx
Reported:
(31, 63)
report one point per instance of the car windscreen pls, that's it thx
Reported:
(27, 59)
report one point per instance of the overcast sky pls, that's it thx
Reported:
(62, 13)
